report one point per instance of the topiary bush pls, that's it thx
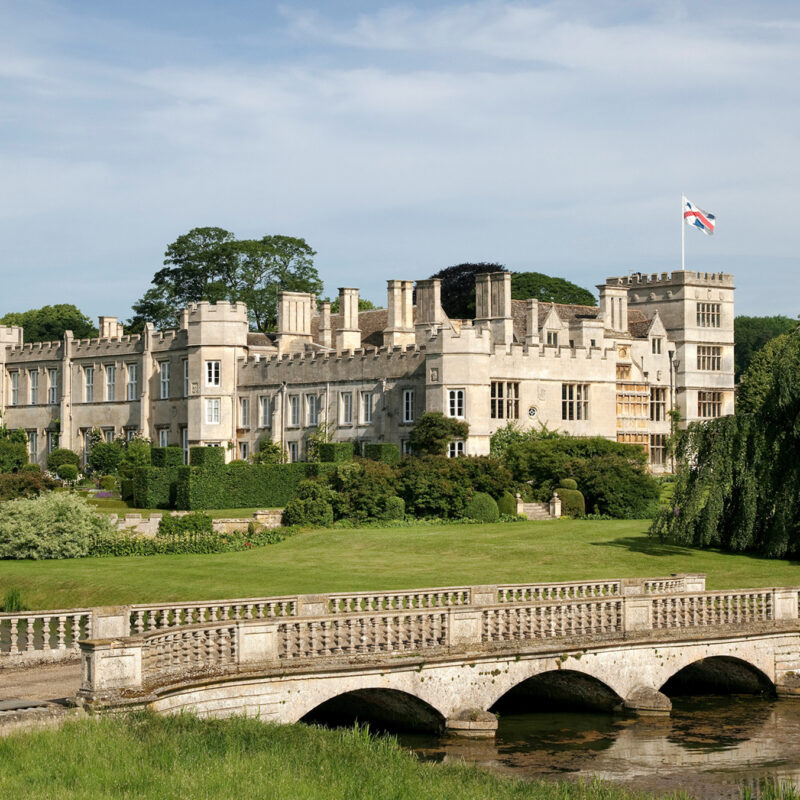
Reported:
(108, 483)
(206, 457)
(167, 456)
(336, 452)
(507, 505)
(53, 525)
(13, 455)
(61, 456)
(572, 503)
(30, 469)
(394, 508)
(104, 457)
(381, 451)
(67, 472)
(482, 507)
(568, 483)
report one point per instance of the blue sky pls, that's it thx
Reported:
(398, 139)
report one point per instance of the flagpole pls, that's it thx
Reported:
(683, 234)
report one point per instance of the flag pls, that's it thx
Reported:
(697, 218)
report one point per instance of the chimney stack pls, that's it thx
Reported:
(294, 321)
(400, 322)
(348, 337)
(110, 328)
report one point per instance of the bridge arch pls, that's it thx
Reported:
(718, 674)
(548, 689)
(380, 707)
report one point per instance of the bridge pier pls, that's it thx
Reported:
(647, 702)
(472, 723)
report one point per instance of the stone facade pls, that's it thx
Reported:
(654, 343)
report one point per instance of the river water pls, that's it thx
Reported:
(709, 747)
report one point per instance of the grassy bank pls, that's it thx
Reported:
(388, 558)
(184, 758)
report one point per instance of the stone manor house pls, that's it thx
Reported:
(654, 343)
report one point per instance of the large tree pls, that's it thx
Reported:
(458, 288)
(737, 476)
(750, 334)
(211, 264)
(48, 323)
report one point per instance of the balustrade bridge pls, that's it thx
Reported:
(438, 657)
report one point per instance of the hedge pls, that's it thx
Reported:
(12, 455)
(336, 451)
(507, 505)
(168, 456)
(206, 457)
(243, 485)
(572, 503)
(482, 507)
(155, 487)
(382, 451)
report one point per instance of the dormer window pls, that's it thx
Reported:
(552, 338)
(655, 344)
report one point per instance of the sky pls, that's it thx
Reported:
(398, 139)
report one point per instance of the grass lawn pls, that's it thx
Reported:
(388, 558)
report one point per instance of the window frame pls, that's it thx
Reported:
(504, 399)
(456, 402)
(575, 402)
(294, 411)
(131, 384)
(163, 437)
(110, 382)
(244, 412)
(52, 386)
(312, 409)
(213, 373)
(185, 362)
(13, 381)
(88, 384)
(456, 449)
(408, 406)
(346, 410)
(33, 386)
(213, 410)
(264, 412)
(366, 408)
(163, 380)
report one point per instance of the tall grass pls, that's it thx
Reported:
(185, 758)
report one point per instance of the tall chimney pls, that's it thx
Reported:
(532, 322)
(614, 306)
(325, 332)
(294, 321)
(493, 305)
(348, 337)
(399, 329)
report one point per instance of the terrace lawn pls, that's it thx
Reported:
(388, 558)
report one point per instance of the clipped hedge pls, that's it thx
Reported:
(243, 485)
(206, 457)
(482, 507)
(168, 456)
(381, 451)
(507, 505)
(155, 487)
(126, 488)
(336, 451)
(572, 503)
(568, 483)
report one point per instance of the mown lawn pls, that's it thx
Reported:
(184, 758)
(388, 558)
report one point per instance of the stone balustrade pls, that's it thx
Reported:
(325, 628)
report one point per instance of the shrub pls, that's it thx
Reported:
(67, 472)
(104, 457)
(30, 469)
(186, 525)
(568, 483)
(13, 455)
(61, 456)
(507, 505)
(434, 431)
(482, 507)
(135, 454)
(613, 486)
(54, 525)
(126, 488)
(24, 484)
(155, 487)
(311, 506)
(394, 508)
(207, 457)
(572, 503)
(166, 456)
(336, 452)
(108, 483)
(361, 489)
(269, 452)
(382, 451)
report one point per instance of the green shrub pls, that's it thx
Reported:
(382, 451)
(311, 506)
(394, 508)
(32, 469)
(482, 507)
(155, 487)
(24, 484)
(67, 472)
(104, 457)
(206, 457)
(567, 483)
(573, 503)
(167, 456)
(186, 525)
(53, 525)
(13, 455)
(61, 456)
(361, 489)
(507, 505)
(135, 454)
(336, 452)
(108, 483)
(268, 452)
(434, 432)
(126, 488)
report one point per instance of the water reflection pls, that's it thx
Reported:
(708, 747)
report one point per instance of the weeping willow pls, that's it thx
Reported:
(738, 478)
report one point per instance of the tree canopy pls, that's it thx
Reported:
(48, 323)
(737, 476)
(458, 288)
(750, 334)
(212, 264)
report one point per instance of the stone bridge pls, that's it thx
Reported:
(444, 657)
